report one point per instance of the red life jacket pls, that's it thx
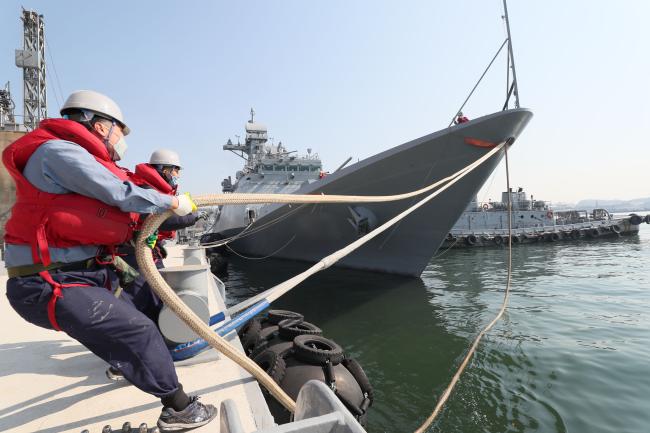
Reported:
(145, 174)
(41, 219)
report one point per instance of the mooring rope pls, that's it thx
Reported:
(171, 299)
(454, 380)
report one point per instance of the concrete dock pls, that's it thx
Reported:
(53, 384)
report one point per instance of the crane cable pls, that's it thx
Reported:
(472, 349)
(171, 299)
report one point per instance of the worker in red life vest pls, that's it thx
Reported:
(162, 174)
(460, 118)
(74, 205)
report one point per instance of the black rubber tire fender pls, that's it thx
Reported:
(218, 263)
(316, 349)
(594, 232)
(360, 376)
(616, 229)
(575, 234)
(647, 219)
(250, 335)
(498, 240)
(471, 240)
(268, 332)
(260, 347)
(289, 329)
(635, 220)
(555, 236)
(276, 316)
(273, 364)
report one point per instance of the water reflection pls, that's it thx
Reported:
(578, 311)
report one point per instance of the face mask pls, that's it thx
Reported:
(119, 149)
(173, 181)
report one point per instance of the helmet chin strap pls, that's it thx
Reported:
(107, 141)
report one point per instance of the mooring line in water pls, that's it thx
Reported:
(189, 317)
(454, 380)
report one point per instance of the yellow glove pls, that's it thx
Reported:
(185, 205)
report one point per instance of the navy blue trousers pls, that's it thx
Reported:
(141, 294)
(112, 328)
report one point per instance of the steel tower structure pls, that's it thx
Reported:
(32, 61)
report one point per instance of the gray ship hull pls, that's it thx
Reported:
(311, 232)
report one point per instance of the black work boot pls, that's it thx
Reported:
(194, 415)
(114, 374)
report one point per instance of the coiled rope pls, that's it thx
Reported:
(472, 349)
(169, 297)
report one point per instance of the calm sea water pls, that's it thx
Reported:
(572, 353)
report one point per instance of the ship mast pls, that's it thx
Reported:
(511, 56)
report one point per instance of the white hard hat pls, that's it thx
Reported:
(96, 103)
(165, 157)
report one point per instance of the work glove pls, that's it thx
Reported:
(185, 205)
(151, 240)
(203, 215)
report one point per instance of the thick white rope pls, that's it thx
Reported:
(240, 198)
(470, 353)
(169, 297)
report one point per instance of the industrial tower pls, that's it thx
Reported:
(32, 61)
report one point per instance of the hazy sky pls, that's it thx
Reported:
(354, 78)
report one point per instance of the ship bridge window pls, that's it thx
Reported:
(293, 168)
(304, 168)
(267, 167)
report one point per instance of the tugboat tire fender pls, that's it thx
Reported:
(250, 335)
(273, 364)
(290, 329)
(277, 316)
(268, 332)
(498, 240)
(575, 234)
(471, 240)
(317, 349)
(555, 236)
(647, 219)
(635, 219)
(616, 228)
(360, 376)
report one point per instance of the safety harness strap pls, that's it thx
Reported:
(56, 294)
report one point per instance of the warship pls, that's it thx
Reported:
(310, 232)
(534, 221)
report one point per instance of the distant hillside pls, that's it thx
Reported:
(615, 205)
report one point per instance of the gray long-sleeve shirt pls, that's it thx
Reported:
(61, 167)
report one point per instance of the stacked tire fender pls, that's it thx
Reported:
(293, 351)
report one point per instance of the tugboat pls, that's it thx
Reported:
(486, 224)
(311, 232)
